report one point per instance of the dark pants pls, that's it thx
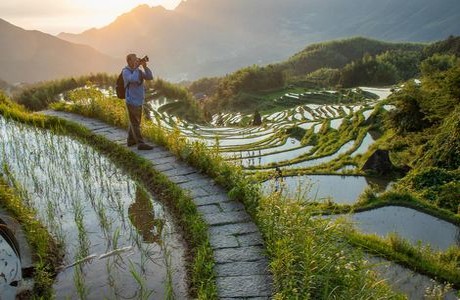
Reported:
(134, 130)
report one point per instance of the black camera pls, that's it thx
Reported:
(143, 60)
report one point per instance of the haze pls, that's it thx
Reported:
(75, 16)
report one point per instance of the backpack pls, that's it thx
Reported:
(120, 87)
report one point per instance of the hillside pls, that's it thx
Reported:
(200, 38)
(346, 63)
(336, 54)
(30, 56)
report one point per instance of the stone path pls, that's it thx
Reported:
(241, 267)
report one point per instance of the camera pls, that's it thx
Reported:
(144, 59)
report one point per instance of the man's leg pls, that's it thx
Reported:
(131, 138)
(134, 131)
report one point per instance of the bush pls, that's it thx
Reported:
(430, 178)
(449, 197)
(435, 185)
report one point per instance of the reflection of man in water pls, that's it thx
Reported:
(142, 216)
(278, 179)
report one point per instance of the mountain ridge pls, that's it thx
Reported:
(209, 38)
(32, 55)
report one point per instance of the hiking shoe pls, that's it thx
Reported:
(144, 147)
(131, 144)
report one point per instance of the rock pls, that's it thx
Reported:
(379, 163)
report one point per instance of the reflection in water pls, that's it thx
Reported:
(409, 224)
(339, 189)
(142, 216)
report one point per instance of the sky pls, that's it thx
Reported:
(73, 16)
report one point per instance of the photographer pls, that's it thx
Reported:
(133, 78)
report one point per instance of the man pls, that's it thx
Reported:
(133, 78)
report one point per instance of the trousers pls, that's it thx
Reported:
(134, 130)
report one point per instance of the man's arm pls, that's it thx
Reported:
(148, 73)
(130, 77)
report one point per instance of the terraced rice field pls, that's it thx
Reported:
(118, 241)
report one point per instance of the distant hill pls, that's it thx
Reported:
(210, 37)
(336, 54)
(335, 64)
(30, 56)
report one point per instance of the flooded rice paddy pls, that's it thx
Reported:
(322, 188)
(410, 224)
(118, 241)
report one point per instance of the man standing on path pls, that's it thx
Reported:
(133, 79)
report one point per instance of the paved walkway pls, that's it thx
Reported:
(241, 267)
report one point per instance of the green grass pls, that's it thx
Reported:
(442, 265)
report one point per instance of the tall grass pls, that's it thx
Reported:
(309, 257)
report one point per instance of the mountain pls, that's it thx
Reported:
(4, 84)
(213, 37)
(30, 56)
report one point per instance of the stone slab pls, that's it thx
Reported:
(197, 192)
(177, 179)
(178, 172)
(250, 239)
(223, 218)
(231, 206)
(233, 229)
(244, 286)
(214, 189)
(209, 209)
(223, 241)
(247, 268)
(197, 183)
(197, 176)
(164, 167)
(238, 254)
(151, 155)
(206, 200)
(163, 160)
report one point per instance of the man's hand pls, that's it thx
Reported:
(144, 64)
